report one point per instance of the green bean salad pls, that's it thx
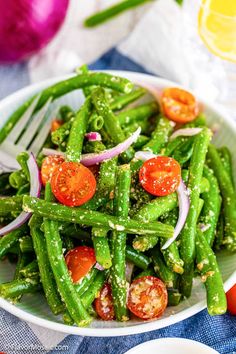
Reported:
(125, 204)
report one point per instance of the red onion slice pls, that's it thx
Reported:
(99, 267)
(93, 136)
(185, 132)
(35, 188)
(144, 155)
(184, 205)
(129, 268)
(93, 159)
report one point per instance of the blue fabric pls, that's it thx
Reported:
(218, 332)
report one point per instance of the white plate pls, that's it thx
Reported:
(34, 309)
(172, 346)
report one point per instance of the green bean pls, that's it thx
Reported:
(219, 237)
(83, 69)
(92, 292)
(93, 147)
(60, 270)
(159, 136)
(145, 273)
(22, 159)
(93, 218)
(86, 281)
(45, 271)
(228, 196)
(9, 204)
(66, 113)
(17, 179)
(131, 128)
(60, 135)
(138, 114)
(137, 258)
(144, 243)
(212, 205)
(210, 274)
(105, 185)
(183, 152)
(19, 287)
(72, 230)
(68, 243)
(226, 159)
(77, 132)
(161, 269)
(174, 297)
(101, 247)
(120, 102)
(11, 239)
(23, 259)
(152, 211)
(23, 189)
(140, 142)
(61, 88)
(112, 11)
(171, 254)
(118, 242)
(30, 270)
(26, 244)
(111, 123)
(95, 123)
(187, 236)
(5, 187)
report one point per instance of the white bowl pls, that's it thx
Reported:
(34, 309)
(173, 346)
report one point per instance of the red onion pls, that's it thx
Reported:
(35, 188)
(144, 155)
(185, 132)
(184, 205)
(26, 26)
(98, 266)
(93, 136)
(93, 159)
(129, 268)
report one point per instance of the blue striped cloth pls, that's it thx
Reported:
(218, 332)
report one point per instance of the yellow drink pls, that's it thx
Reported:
(217, 27)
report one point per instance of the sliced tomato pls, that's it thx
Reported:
(50, 163)
(56, 123)
(147, 297)
(79, 261)
(104, 303)
(73, 184)
(231, 300)
(179, 105)
(160, 175)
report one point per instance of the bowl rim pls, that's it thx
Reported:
(143, 326)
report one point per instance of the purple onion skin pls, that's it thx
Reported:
(26, 26)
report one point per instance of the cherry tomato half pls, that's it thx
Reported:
(79, 261)
(56, 123)
(48, 166)
(179, 105)
(104, 303)
(231, 300)
(147, 297)
(160, 175)
(73, 184)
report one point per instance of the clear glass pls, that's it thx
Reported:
(217, 27)
(216, 76)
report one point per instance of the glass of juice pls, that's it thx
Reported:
(217, 27)
(209, 46)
